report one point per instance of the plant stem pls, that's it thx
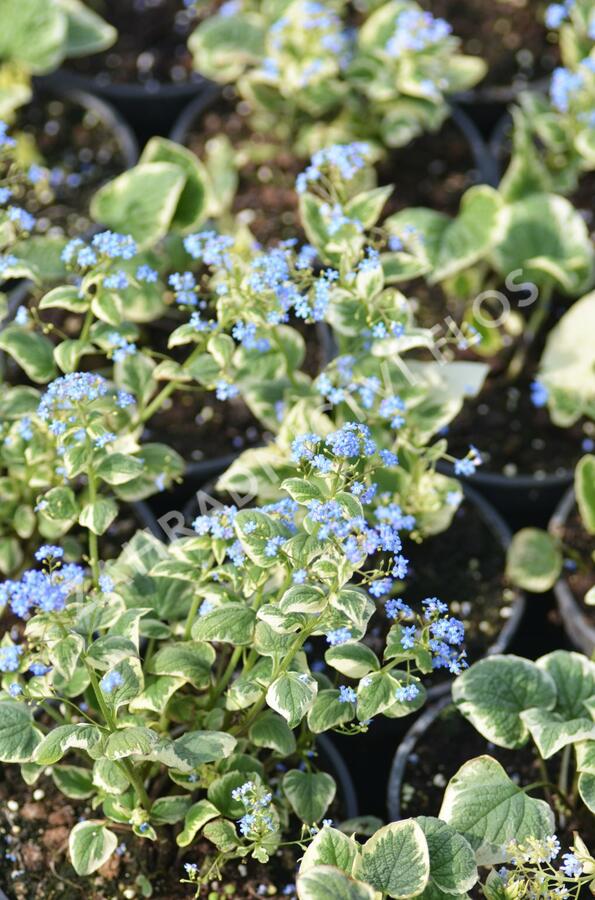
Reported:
(191, 616)
(124, 764)
(534, 326)
(229, 670)
(165, 392)
(93, 541)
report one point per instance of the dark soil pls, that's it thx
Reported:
(464, 567)
(75, 141)
(266, 194)
(450, 742)
(508, 34)
(434, 170)
(580, 564)
(34, 865)
(151, 45)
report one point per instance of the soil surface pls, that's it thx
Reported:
(80, 150)
(34, 826)
(464, 567)
(450, 742)
(579, 563)
(508, 34)
(434, 170)
(151, 45)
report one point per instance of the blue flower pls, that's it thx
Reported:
(184, 285)
(210, 248)
(338, 636)
(39, 669)
(10, 657)
(115, 246)
(395, 608)
(408, 637)
(563, 85)
(299, 576)
(347, 695)
(111, 681)
(49, 552)
(117, 281)
(146, 273)
(572, 867)
(555, 14)
(225, 391)
(407, 693)
(539, 394)
(22, 219)
(14, 689)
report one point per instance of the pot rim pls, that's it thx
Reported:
(139, 91)
(574, 621)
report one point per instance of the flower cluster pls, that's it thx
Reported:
(258, 819)
(531, 871)
(340, 161)
(47, 590)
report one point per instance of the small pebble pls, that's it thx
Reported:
(39, 794)
(12, 805)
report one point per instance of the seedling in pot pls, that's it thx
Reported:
(314, 75)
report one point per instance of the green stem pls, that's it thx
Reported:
(52, 713)
(191, 616)
(227, 675)
(124, 764)
(86, 325)
(534, 326)
(93, 540)
(166, 392)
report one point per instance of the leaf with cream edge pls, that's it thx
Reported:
(330, 883)
(90, 845)
(396, 860)
(309, 793)
(489, 810)
(291, 695)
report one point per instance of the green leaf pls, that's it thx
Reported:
(196, 818)
(109, 777)
(494, 692)
(141, 202)
(254, 539)
(330, 847)
(375, 694)
(191, 207)
(33, 35)
(60, 503)
(292, 695)
(352, 659)
(86, 32)
(98, 516)
(328, 712)
(272, 731)
(169, 810)
(533, 561)
(74, 781)
(31, 351)
(118, 468)
(191, 661)
(134, 741)
(222, 834)
(90, 844)
(396, 860)
(330, 883)
(309, 793)
(546, 237)
(231, 623)
(452, 860)
(18, 735)
(132, 684)
(574, 677)
(195, 748)
(66, 296)
(60, 740)
(489, 810)
(551, 731)
(303, 598)
(156, 694)
(584, 485)
(586, 788)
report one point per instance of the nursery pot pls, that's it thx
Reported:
(404, 751)
(521, 499)
(334, 763)
(576, 624)
(482, 157)
(502, 536)
(149, 109)
(485, 105)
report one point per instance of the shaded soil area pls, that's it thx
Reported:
(464, 567)
(34, 865)
(151, 45)
(508, 34)
(82, 154)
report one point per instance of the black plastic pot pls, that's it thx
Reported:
(521, 499)
(482, 157)
(577, 626)
(404, 751)
(486, 105)
(148, 108)
(333, 762)
(502, 536)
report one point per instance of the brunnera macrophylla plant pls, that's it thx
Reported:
(536, 247)
(536, 558)
(69, 457)
(425, 857)
(38, 36)
(192, 662)
(316, 72)
(547, 704)
(554, 135)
